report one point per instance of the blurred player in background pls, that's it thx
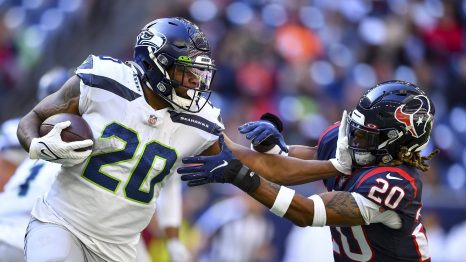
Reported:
(13, 220)
(11, 153)
(374, 213)
(169, 216)
(235, 223)
(145, 115)
(30, 180)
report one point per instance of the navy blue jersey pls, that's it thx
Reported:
(396, 188)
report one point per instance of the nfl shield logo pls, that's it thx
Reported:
(152, 120)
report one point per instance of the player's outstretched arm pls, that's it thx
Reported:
(281, 169)
(65, 100)
(334, 208)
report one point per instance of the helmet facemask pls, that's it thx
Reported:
(186, 84)
(367, 143)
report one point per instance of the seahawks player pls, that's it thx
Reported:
(374, 213)
(31, 179)
(145, 115)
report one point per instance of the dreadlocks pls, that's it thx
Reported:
(414, 159)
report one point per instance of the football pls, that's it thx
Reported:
(77, 131)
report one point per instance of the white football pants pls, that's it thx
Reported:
(51, 242)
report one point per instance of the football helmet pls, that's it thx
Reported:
(170, 47)
(391, 115)
(51, 81)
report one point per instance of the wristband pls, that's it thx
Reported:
(275, 150)
(283, 201)
(242, 177)
(320, 216)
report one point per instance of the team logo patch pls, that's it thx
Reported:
(416, 117)
(151, 39)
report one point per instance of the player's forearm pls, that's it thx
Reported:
(28, 129)
(301, 210)
(302, 152)
(340, 208)
(284, 170)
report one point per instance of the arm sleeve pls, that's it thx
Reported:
(169, 203)
(371, 213)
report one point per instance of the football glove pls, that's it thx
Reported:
(265, 133)
(342, 161)
(220, 168)
(52, 148)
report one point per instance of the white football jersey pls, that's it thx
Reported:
(110, 198)
(30, 180)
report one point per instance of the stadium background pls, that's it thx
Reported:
(305, 60)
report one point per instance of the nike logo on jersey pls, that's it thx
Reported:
(393, 177)
(225, 163)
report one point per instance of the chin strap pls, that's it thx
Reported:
(182, 102)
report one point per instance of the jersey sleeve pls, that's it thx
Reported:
(390, 187)
(207, 125)
(104, 77)
(326, 149)
(327, 144)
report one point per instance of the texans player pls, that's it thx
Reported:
(145, 115)
(374, 213)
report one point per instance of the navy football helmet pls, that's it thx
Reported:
(391, 115)
(51, 81)
(174, 46)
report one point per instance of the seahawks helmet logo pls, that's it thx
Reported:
(151, 38)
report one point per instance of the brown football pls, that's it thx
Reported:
(78, 130)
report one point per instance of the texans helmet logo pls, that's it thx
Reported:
(417, 119)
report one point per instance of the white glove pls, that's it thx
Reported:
(52, 148)
(177, 251)
(343, 161)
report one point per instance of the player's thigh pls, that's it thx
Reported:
(10, 253)
(50, 242)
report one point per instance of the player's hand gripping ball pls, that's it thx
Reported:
(65, 139)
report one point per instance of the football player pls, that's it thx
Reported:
(145, 115)
(30, 179)
(374, 213)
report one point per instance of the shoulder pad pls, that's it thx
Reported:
(197, 121)
(327, 144)
(110, 74)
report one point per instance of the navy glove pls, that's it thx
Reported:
(221, 168)
(265, 133)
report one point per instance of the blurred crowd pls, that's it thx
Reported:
(305, 60)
